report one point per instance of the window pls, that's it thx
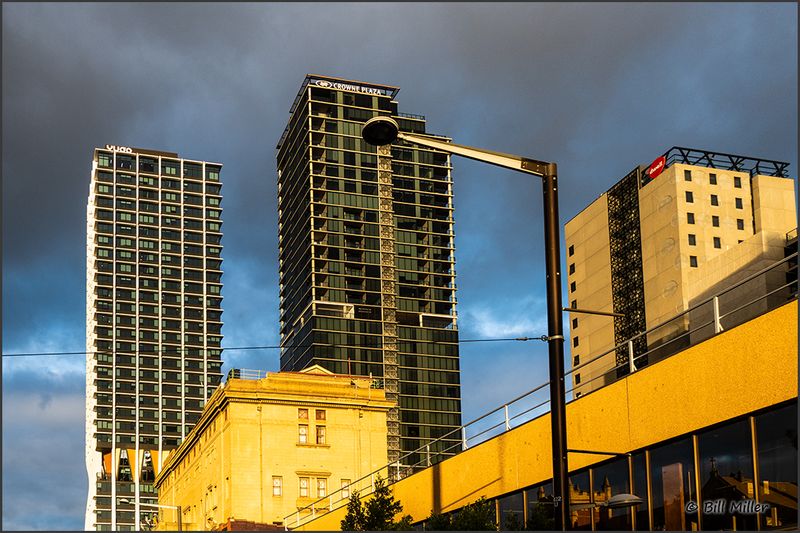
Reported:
(687, 175)
(322, 487)
(725, 457)
(672, 485)
(571, 250)
(692, 240)
(277, 486)
(302, 434)
(511, 512)
(693, 260)
(104, 160)
(611, 479)
(575, 342)
(321, 414)
(717, 242)
(739, 223)
(712, 179)
(739, 203)
(714, 199)
(577, 379)
(576, 360)
(320, 434)
(572, 268)
(304, 487)
(690, 218)
(737, 182)
(572, 287)
(574, 323)
(689, 197)
(777, 466)
(345, 489)
(715, 221)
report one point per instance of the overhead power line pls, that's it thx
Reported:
(268, 347)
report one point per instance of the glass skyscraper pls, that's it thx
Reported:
(367, 278)
(153, 320)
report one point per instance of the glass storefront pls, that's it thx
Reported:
(717, 462)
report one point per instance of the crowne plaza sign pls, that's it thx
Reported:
(325, 84)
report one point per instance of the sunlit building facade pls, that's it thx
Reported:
(367, 279)
(662, 240)
(153, 320)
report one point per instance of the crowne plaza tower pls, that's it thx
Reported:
(153, 321)
(367, 278)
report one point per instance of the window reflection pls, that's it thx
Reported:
(580, 501)
(540, 507)
(726, 473)
(640, 489)
(776, 435)
(672, 485)
(512, 512)
(607, 480)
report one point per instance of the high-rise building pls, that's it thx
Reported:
(367, 279)
(662, 239)
(153, 320)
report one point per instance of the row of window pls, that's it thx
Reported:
(714, 200)
(304, 484)
(754, 458)
(712, 179)
(149, 207)
(147, 164)
(166, 222)
(149, 181)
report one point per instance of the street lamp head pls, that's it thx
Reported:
(380, 131)
(619, 501)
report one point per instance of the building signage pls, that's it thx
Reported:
(656, 167)
(115, 148)
(347, 87)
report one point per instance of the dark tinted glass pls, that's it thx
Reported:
(776, 435)
(608, 480)
(726, 473)
(672, 485)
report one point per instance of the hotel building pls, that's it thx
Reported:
(663, 239)
(153, 320)
(367, 279)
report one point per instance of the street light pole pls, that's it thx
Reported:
(381, 131)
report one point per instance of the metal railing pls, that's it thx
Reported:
(246, 373)
(707, 318)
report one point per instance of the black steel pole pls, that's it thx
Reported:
(555, 332)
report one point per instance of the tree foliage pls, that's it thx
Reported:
(377, 514)
(477, 516)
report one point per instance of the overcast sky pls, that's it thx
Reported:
(598, 88)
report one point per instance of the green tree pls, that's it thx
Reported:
(377, 514)
(477, 516)
(355, 518)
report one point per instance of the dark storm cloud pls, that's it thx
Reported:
(599, 88)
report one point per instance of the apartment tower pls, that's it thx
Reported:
(367, 279)
(153, 320)
(664, 239)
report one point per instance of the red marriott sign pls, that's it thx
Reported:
(656, 167)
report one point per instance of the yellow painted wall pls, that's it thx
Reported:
(248, 434)
(750, 367)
